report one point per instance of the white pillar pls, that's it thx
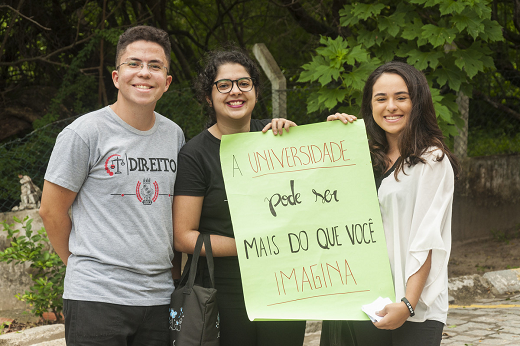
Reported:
(275, 75)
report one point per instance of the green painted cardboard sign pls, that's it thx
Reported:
(307, 223)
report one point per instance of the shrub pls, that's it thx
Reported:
(48, 269)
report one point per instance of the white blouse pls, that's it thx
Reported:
(416, 212)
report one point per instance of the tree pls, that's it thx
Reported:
(448, 40)
(505, 94)
(64, 51)
(56, 59)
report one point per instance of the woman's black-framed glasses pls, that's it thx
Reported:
(225, 86)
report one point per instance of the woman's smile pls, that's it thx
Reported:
(236, 104)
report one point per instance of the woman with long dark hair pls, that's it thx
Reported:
(415, 173)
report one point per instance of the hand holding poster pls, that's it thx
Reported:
(307, 224)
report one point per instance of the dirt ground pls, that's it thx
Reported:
(500, 252)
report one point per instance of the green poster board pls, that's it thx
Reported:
(307, 223)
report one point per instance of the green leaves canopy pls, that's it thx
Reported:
(447, 40)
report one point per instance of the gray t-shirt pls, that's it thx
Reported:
(122, 235)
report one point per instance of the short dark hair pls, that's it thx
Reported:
(211, 62)
(144, 33)
(421, 130)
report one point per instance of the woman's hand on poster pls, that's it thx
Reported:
(344, 117)
(278, 124)
(394, 315)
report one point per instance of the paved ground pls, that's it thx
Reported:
(486, 322)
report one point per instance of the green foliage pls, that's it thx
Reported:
(296, 108)
(500, 236)
(4, 325)
(48, 269)
(77, 84)
(484, 142)
(8, 177)
(26, 157)
(492, 130)
(482, 269)
(506, 236)
(448, 40)
(180, 105)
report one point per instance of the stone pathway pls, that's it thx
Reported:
(489, 322)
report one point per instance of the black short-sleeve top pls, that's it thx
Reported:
(199, 174)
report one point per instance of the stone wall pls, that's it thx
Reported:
(487, 197)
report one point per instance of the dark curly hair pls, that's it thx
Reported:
(211, 62)
(421, 130)
(144, 33)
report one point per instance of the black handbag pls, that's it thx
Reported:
(194, 319)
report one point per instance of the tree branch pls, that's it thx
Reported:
(497, 105)
(185, 33)
(102, 94)
(220, 20)
(511, 36)
(21, 15)
(238, 32)
(8, 30)
(46, 57)
(516, 16)
(79, 19)
(505, 67)
(185, 66)
(309, 24)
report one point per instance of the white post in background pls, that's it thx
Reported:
(275, 75)
(461, 141)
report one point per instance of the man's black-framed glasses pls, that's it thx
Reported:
(225, 86)
(153, 66)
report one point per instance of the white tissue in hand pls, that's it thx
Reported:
(376, 305)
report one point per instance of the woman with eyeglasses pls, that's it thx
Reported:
(228, 85)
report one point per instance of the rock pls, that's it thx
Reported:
(504, 280)
(58, 342)
(468, 289)
(34, 336)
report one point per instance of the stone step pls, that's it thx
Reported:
(57, 342)
(49, 335)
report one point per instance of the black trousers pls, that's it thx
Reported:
(235, 327)
(104, 324)
(364, 333)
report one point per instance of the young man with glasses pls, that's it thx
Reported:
(116, 167)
